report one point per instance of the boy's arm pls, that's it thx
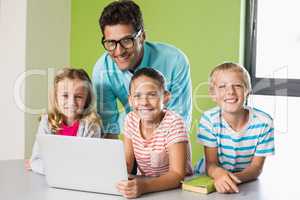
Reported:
(138, 186)
(225, 182)
(129, 155)
(252, 171)
(264, 148)
(176, 173)
(211, 159)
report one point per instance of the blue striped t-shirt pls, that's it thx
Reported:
(236, 149)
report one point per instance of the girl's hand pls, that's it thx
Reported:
(226, 182)
(27, 164)
(131, 188)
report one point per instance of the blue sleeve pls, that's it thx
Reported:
(106, 100)
(181, 89)
(265, 146)
(206, 133)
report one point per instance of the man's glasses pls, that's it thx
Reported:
(126, 43)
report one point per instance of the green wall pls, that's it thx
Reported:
(208, 31)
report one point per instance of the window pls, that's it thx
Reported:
(272, 53)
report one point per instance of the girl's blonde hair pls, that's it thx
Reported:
(89, 114)
(230, 66)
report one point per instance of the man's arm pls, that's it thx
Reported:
(181, 89)
(106, 102)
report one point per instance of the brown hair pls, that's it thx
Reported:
(156, 75)
(122, 12)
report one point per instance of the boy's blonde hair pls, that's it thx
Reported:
(230, 66)
(55, 117)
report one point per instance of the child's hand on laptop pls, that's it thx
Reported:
(27, 164)
(131, 188)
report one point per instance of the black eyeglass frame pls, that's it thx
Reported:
(132, 38)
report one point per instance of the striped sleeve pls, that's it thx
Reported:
(177, 133)
(206, 134)
(265, 144)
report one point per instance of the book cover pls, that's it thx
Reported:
(201, 184)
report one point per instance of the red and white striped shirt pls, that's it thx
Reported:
(152, 154)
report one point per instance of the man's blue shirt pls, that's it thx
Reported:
(110, 83)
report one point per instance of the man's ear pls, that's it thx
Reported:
(143, 37)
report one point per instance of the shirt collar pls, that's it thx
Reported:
(145, 59)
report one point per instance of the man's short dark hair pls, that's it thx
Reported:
(122, 12)
(150, 73)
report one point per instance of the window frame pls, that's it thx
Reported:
(263, 86)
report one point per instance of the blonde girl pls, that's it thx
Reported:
(71, 111)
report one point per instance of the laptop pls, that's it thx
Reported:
(85, 164)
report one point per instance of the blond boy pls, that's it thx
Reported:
(236, 138)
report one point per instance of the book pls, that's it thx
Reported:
(201, 184)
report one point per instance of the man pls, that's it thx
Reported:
(121, 23)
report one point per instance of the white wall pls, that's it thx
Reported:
(47, 47)
(34, 35)
(12, 63)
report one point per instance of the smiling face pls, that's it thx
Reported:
(71, 96)
(147, 99)
(125, 58)
(229, 91)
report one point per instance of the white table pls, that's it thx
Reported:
(18, 184)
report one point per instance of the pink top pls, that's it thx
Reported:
(152, 154)
(69, 130)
